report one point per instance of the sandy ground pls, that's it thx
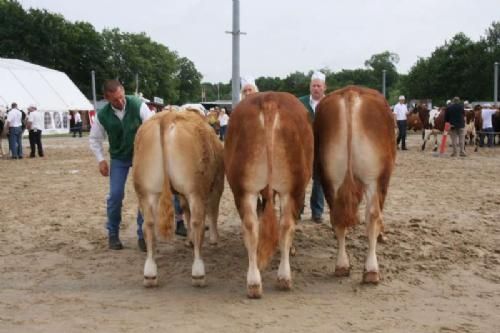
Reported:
(440, 267)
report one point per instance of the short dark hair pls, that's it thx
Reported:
(111, 86)
(456, 100)
(14, 105)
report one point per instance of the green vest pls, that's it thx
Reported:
(305, 101)
(121, 134)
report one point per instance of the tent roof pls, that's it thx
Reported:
(28, 84)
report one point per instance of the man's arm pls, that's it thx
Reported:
(145, 112)
(29, 123)
(96, 138)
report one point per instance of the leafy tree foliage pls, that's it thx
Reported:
(460, 67)
(76, 48)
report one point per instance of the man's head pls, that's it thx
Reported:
(32, 108)
(456, 100)
(114, 93)
(317, 87)
(402, 99)
(14, 106)
(248, 87)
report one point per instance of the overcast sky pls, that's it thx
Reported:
(288, 35)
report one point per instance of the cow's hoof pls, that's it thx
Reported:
(254, 290)
(188, 243)
(382, 239)
(371, 277)
(150, 281)
(293, 251)
(284, 284)
(198, 281)
(342, 271)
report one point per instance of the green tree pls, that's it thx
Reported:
(135, 54)
(189, 81)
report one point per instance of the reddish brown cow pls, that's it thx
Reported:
(269, 149)
(414, 122)
(355, 146)
(432, 122)
(470, 129)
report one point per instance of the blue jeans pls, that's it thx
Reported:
(15, 141)
(178, 209)
(317, 200)
(401, 133)
(117, 179)
(488, 132)
(222, 132)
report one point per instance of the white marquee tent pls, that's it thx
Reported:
(51, 91)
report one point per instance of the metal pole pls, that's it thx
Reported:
(137, 83)
(495, 85)
(93, 90)
(383, 82)
(236, 53)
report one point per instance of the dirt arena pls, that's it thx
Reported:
(440, 267)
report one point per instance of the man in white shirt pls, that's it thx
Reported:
(118, 120)
(223, 121)
(14, 124)
(317, 89)
(487, 114)
(35, 127)
(400, 111)
(78, 124)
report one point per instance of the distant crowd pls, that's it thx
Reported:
(15, 121)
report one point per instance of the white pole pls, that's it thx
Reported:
(383, 82)
(93, 90)
(495, 85)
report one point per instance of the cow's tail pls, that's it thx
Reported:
(165, 209)
(349, 194)
(268, 229)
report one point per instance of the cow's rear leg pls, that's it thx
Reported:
(287, 227)
(197, 226)
(149, 207)
(373, 217)
(248, 213)
(435, 142)
(342, 266)
(425, 137)
(212, 216)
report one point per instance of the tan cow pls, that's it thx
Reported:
(355, 149)
(268, 150)
(178, 151)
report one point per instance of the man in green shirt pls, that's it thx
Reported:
(119, 120)
(317, 89)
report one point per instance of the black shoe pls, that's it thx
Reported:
(115, 243)
(141, 243)
(180, 229)
(317, 219)
(404, 148)
(32, 156)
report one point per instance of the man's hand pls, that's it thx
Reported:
(103, 168)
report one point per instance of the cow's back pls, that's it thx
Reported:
(355, 151)
(354, 143)
(268, 125)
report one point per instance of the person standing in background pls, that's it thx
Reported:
(35, 126)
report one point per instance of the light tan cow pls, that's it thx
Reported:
(268, 150)
(178, 151)
(355, 149)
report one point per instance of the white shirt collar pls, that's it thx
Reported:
(118, 110)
